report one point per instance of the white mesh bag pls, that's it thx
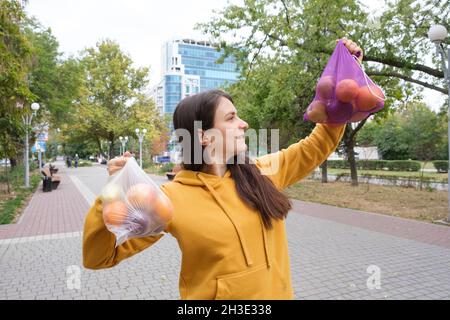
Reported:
(133, 204)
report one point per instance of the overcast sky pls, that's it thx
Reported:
(139, 26)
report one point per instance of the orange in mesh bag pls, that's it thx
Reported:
(133, 204)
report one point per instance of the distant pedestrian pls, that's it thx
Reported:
(76, 160)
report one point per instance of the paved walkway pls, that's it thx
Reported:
(335, 253)
(59, 211)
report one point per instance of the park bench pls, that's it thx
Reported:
(50, 181)
(171, 174)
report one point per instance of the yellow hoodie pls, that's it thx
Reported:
(226, 251)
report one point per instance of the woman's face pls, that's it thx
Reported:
(228, 131)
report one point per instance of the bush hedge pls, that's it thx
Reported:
(441, 165)
(390, 165)
(84, 164)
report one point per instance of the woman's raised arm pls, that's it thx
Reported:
(290, 165)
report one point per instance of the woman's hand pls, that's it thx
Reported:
(117, 163)
(353, 48)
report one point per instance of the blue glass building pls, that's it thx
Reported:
(189, 67)
(201, 60)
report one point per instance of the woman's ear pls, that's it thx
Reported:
(204, 141)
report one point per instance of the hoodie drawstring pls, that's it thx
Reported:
(241, 238)
(266, 249)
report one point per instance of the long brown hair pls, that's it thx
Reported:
(255, 189)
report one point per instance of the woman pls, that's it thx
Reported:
(229, 218)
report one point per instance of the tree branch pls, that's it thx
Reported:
(358, 127)
(402, 64)
(394, 62)
(409, 79)
(256, 55)
(286, 14)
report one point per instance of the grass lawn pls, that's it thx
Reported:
(389, 200)
(11, 205)
(437, 177)
(429, 165)
(154, 170)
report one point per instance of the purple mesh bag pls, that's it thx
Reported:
(344, 93)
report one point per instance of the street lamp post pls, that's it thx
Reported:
(38, 149)
(437, 34)
(140, 134)
(26, 118)
(124, 142)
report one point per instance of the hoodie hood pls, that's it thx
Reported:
(197, 178)
(212, 183)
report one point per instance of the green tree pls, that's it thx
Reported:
(15, 54)
(389, 137)
(112, 102)
(300, 35)
(422, 131)
(54, 81)
(415, 132)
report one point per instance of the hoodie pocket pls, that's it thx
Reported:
(258, 282)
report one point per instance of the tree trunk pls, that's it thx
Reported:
(352, 161)
(8, 188)
(422, 173)
(349, 146)
(111, 149)
(99, 145)
(13, 162)
(324, 167)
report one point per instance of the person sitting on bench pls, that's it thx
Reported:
(55, 179)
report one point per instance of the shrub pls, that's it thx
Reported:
(371, 164)
(84, 164)
(338, 164)
(403, 165)
(167, 167)
(391, 165)
(441, 165)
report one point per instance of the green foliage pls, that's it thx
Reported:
(416, 132)
(167, 167)
(84, 149)
(9, 208)
(112, 101)
(158, 169)
(271, 98)
(15, 176)
(282, 47)
(82, 163)
(421, 126)
(31, 71)
(15, 52)
(441, 165)
(54, 82)
(403, 165)
(15, 55)
(396, 165)
(388, 137)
